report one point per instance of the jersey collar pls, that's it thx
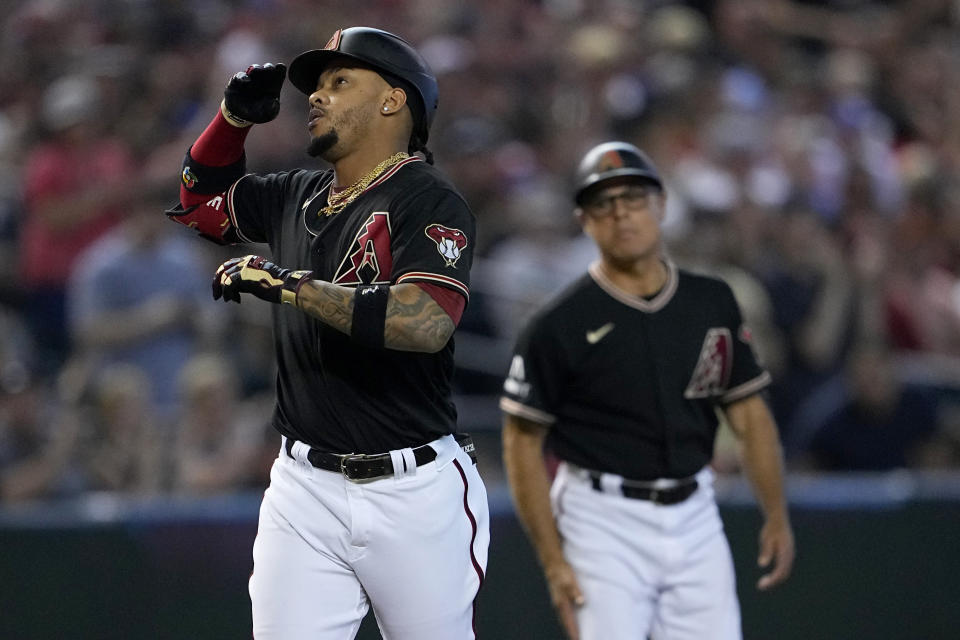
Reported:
(386, 175)
(637, 302)
(307, 205)
(389, 172)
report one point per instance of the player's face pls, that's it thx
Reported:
(342, 110)
(623, 218)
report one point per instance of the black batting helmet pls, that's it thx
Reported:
(388, 54)
(613, 160)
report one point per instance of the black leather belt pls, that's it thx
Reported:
(362, 466)
(666, 496)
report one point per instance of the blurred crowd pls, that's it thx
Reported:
(811, 151)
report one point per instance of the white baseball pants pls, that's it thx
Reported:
(413, 546)
(647, 570)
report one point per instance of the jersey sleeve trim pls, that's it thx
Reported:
(231, 211)
(747, 388)
(423, 276)
(514, 408)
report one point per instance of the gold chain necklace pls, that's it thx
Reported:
(337, 202)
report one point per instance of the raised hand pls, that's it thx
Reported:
(253, 96)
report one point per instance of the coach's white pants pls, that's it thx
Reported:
(414, 547)
(647, 569)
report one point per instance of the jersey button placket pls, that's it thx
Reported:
(649, 322)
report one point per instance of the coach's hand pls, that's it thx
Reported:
(776, 546)
(566, 596)
(259, 276)
(253, 96)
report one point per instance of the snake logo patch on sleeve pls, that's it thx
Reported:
(450, 242)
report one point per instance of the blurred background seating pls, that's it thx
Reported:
(811, 150)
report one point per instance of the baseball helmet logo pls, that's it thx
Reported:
(610, 160)
(450, 242)
(334, 42)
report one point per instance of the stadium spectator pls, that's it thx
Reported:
(136, 296)
(37, 438)
(866, 419)
(120, 449)
(221, 441)
(76, 186)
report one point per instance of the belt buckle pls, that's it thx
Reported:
(345, 459)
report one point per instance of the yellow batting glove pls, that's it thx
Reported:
(260, 277)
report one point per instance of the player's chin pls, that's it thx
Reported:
(630, 253)
(321, 144)
(633, 242)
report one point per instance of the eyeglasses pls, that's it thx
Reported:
(634, 198)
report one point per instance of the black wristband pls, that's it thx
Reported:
(198, 178)
(369, 314)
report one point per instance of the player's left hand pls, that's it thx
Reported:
(259, 276)
(777, 547)
(254, 95)
(566, 596)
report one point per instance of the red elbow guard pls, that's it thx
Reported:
(209, 218)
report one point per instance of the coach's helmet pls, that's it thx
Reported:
(613, 160)
(391, 56)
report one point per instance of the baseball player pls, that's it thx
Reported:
(622, 375)
(374, 498)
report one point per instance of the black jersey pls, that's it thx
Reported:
(410, 225)
(630, 385)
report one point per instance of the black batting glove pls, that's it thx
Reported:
(253, 96)
(259, 276)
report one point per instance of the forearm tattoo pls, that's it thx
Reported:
(328, 302)
(414, 322)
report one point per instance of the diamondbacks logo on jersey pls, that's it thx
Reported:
(712, 373)
(450, 242)
(370, 260)
(516, 383)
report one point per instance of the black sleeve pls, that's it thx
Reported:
(434, 240)
(532, 387)
(254, 204)
(747, 377)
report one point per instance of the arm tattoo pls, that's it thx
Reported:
(414, 322)
(329, 303)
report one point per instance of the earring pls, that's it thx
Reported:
(385, 108)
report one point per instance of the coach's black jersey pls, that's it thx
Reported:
(410, 225)
(630, 385)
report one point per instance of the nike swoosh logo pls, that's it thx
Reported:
(595, 336)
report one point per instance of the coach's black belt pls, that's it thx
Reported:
(362, 466)
(665, 496)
